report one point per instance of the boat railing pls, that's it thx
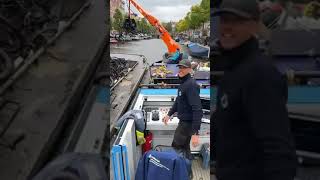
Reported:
(289, 73)
(134, 54)
(163, 85)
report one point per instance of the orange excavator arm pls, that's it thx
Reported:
(164, 34)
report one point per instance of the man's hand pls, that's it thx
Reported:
(195, 140)
(166, 119)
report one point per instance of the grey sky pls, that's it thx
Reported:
(166, 10)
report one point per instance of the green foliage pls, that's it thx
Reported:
(182, 26)
(196, 17)
(144, 27)
(205, 4)
(168, 26)
(205, 7)
(118, 20)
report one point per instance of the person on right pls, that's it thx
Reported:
(251, 136)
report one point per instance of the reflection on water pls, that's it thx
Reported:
(153, 49)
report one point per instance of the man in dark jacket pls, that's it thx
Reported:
(251, 129)
(188, 106)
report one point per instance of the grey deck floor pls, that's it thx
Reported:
(198, 172)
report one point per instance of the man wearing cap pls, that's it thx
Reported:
(251, 129)
(189, 108)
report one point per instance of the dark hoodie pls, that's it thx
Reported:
(251, 129)
(188, 103)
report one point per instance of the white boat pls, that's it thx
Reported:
(135, 38)
(154, 102)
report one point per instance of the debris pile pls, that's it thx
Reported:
(119, 67)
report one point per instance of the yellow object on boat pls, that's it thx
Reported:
(140, 137)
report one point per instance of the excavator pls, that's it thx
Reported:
(171, 44)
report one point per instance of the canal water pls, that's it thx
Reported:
(152, 49)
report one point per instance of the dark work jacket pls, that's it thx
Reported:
(188, 103)
(251, 136)
(155, 165)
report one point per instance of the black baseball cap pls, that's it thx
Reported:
(185, 63)
(247, 9)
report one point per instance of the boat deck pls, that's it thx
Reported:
(198, 172)
(125, 89)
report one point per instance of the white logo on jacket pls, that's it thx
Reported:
(157, 162)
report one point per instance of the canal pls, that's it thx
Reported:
(152, 49)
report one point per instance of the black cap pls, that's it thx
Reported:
(185, 63)
(248, 9)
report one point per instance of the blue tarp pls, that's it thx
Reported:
(197, 50)
(191, 44)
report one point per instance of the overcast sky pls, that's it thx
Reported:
(166, 10)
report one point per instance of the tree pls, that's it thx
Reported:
(181, 26)
(188, 20)
(199, 15)
(168, 26)
(118, 20)
(151, 29)
(144, 26)
(205, 6)
(139, 28)
(196, 17)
